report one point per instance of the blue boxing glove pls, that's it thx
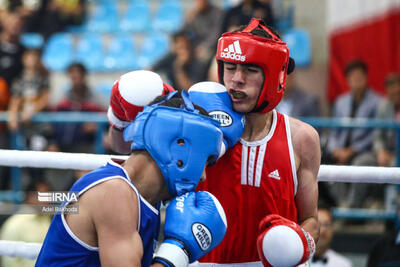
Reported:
(195, 223)
(214, 98)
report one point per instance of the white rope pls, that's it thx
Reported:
(56, 160)
(19, 249)
(359, 174)
(82, 161)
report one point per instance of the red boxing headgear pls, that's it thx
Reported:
(271, 54)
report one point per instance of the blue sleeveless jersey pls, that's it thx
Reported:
(62, 248)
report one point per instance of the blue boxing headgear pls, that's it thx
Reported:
(180, 140)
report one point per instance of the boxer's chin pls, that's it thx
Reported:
(242, 106)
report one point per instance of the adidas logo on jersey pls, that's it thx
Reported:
(274, 174)
(233, 51)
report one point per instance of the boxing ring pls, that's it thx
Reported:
(82, 161)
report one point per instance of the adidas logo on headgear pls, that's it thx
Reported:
(233, 51)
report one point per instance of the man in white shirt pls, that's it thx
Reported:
(324, 256)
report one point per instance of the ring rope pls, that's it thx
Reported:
(19, 249)
(54, 160)
(83, 161)
(359, 174)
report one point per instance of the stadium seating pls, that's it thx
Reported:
(153, 47)
(136, 18)
(103, 19)
(169, 17)
(58, 52)
(286, 22)
(152, 22)
(121, 54)
(89, 51)
(32, 40)
(299, 43)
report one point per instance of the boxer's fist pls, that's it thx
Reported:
(195, 223)
(214, 98)
(130, 93)
(283, 243)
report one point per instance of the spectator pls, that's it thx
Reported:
(324, 255)
(25, 8)
(26, 227)
(11, 49)
(203, 23)
(77, 137)
(180, 66)
(386, 252)
(29, 94)
(55, 15)
(385, 139)
(47, 16)
(4, 98)
(4, 143)
(296, 102)
(389, 108)
(4, 94)
(353, 147)
(245, 11)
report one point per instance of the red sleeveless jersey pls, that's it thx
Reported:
(252, 180)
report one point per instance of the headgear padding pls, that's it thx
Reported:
(180, 140)
(271, 54)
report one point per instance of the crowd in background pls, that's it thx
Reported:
(25, 90)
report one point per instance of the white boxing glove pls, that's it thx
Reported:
(283, 243)
(130, 93)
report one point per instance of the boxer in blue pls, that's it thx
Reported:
(118, 220)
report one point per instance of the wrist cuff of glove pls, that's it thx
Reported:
(171, 255)
(311, 246)
(223, 147)
(115, 122)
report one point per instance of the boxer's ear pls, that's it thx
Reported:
(291, 66)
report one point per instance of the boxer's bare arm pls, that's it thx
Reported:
(114, 213)
(117, 141)
(308, 158)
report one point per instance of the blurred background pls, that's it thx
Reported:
(59, 56)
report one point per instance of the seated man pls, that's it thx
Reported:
(324, 254)
(388, 109)
(118, 220)
(353, 146)
(386, 251)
